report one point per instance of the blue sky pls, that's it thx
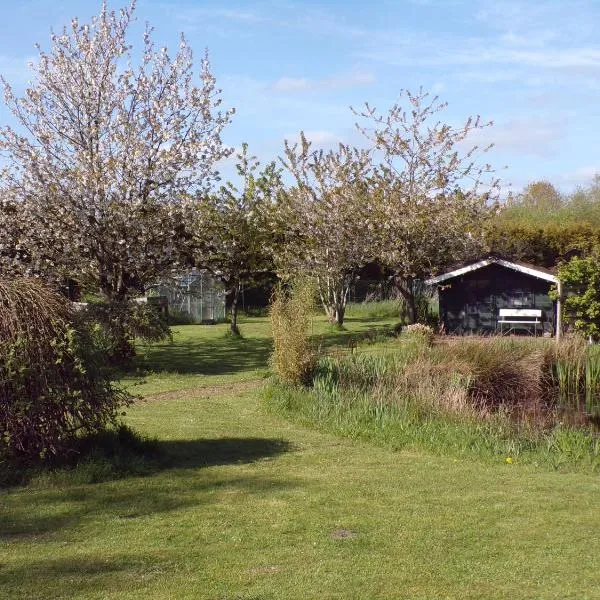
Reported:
(531, 67)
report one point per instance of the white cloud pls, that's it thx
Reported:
(505, 37)
(292, 84)
(528, 136)
(314, 21)
(492, 76)
(529, 39)
(480, 52)
(302, 84)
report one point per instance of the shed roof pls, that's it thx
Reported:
(531, 270)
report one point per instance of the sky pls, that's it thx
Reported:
(533, 68)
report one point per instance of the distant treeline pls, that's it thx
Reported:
(545, 227)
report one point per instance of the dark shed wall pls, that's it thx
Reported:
(470, 303)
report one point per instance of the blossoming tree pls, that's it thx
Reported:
(232, 231)
(432, 193)
(104, 156)
(328, 220)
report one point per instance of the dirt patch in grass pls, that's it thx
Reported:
(205, 391)
(343, 534)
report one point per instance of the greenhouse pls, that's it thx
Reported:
(193, 297)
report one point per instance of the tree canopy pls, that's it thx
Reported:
(433, 191)
(106, 152)
(232, 228)
(328, 220)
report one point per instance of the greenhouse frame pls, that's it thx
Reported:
(194, 296)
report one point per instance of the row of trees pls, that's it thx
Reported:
(549, 228)
(111, 180)
(541, 203)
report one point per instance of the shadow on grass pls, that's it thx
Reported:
(220, 451)
(73, 577)
(122, 453)
(110, 573)
(62, 498)
(349, 339)
(209, 356)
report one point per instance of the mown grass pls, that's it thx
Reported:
(240, 503)
(205, 355)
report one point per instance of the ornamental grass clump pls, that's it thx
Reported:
(525, 379)
(501, 373)
(53, 384)
(575, 371)
(293, 358)
(419, 330)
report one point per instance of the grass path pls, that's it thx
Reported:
(250, 506)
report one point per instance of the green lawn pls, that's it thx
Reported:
(247, 505)
(205, 355)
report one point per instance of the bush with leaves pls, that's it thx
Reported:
(541, 244)
(581, 279)
(53, 387)
(115, 325)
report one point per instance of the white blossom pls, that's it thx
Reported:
(106, 155)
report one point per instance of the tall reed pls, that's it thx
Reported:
(291, 309)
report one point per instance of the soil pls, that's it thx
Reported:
(204, 391)
(343, 534)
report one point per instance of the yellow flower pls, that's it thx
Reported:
(508, 460)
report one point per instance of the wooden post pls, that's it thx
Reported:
(558, 326)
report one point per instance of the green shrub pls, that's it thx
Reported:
(53, 385)
(115, 326)
(581, 280)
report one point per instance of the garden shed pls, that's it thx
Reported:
(496, 296)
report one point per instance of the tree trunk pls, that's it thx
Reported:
(124, 347)
(340, 311)
(233, 326)
(115, 320)
(406, 289)
(334, 297)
